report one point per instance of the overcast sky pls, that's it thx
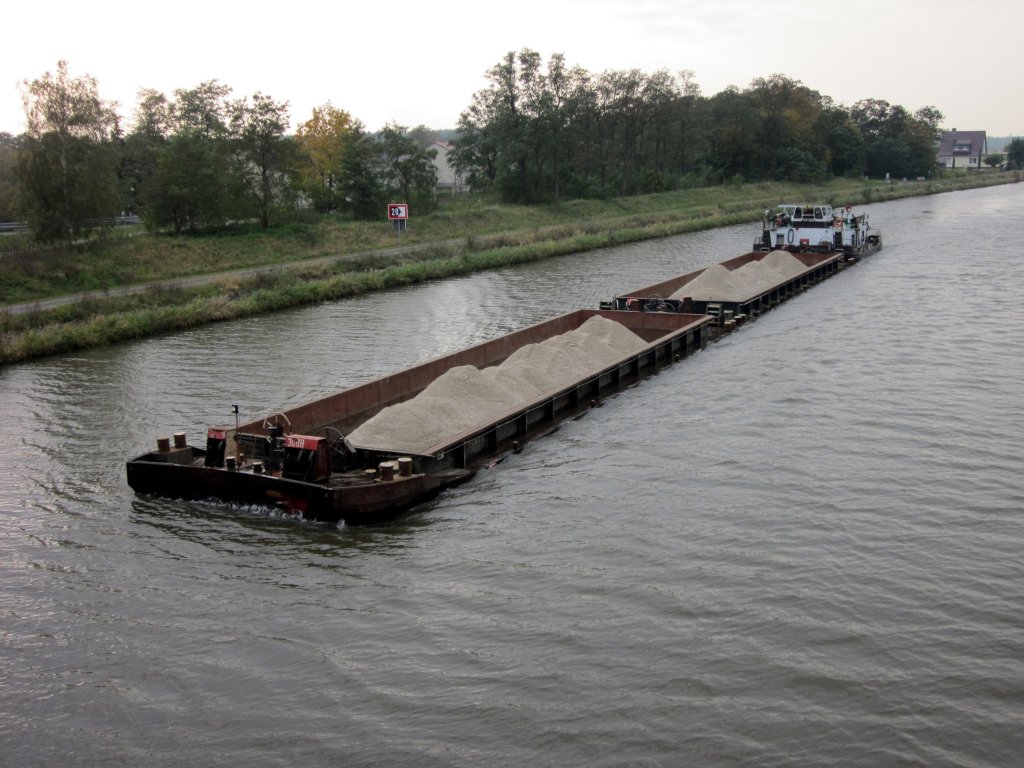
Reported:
(420, 62)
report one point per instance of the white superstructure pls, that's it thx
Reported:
(817, 227)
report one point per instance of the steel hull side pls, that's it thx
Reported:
(197, 482)
(355, 504)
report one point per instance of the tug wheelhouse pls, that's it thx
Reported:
(819, 228)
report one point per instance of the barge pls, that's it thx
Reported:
(729, 306)
(302, 461)
(819, 228)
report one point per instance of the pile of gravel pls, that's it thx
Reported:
(717, 283)
(466, 397)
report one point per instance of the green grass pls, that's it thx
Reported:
(486, 235)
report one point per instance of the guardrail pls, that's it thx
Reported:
(115, 221)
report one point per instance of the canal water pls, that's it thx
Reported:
(801, 546)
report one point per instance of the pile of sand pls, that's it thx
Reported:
(717, 283)
(466, 397)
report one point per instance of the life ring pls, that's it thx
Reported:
(849, 208)
(790, 236)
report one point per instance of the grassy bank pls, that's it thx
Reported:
(462, 237)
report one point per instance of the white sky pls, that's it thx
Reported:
(420, 63)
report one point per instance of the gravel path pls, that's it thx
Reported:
(194, 280)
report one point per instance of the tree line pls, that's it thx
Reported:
(539, 132)
(198, 158)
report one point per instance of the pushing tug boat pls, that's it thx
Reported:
(820, 228)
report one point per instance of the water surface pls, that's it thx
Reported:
(800, 546)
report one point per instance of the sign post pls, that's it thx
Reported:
(398, 213)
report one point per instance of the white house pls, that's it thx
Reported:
(962, 149)
(447, 179)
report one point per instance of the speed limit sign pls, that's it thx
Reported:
(398, 211)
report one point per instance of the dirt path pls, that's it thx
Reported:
(194, 280)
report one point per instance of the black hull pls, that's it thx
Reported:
(358, 503)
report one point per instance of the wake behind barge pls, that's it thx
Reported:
(301, 461)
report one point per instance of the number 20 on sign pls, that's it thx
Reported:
(398, 211)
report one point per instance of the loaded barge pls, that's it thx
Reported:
(729, 307)
(302, 460)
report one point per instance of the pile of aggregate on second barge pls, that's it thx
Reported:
(465, 396)
(719, 283)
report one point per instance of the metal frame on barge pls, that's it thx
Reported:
(299, 459)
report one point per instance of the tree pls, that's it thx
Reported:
(9, 150)
(493, 147)
(68, 165)
(556, 101)
(408, 169)
(537, 133)
(1015, 153)
(361, 185)
(423, 136)
(475, 151)
(322, 141)
(691, 124)
(141, 149)
(788, 111)
(264, 156)
(922, 135)
(195, 184)
(735, 135)
(845, 150)
(897, 143)
(995, 160)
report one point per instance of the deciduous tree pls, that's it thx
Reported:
(9, 149)
(142, 146)
(263, 154)
(1015, 153)
(362, 187)
(68, 164)
(322, 141)
(196, 184)
(408, 168)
